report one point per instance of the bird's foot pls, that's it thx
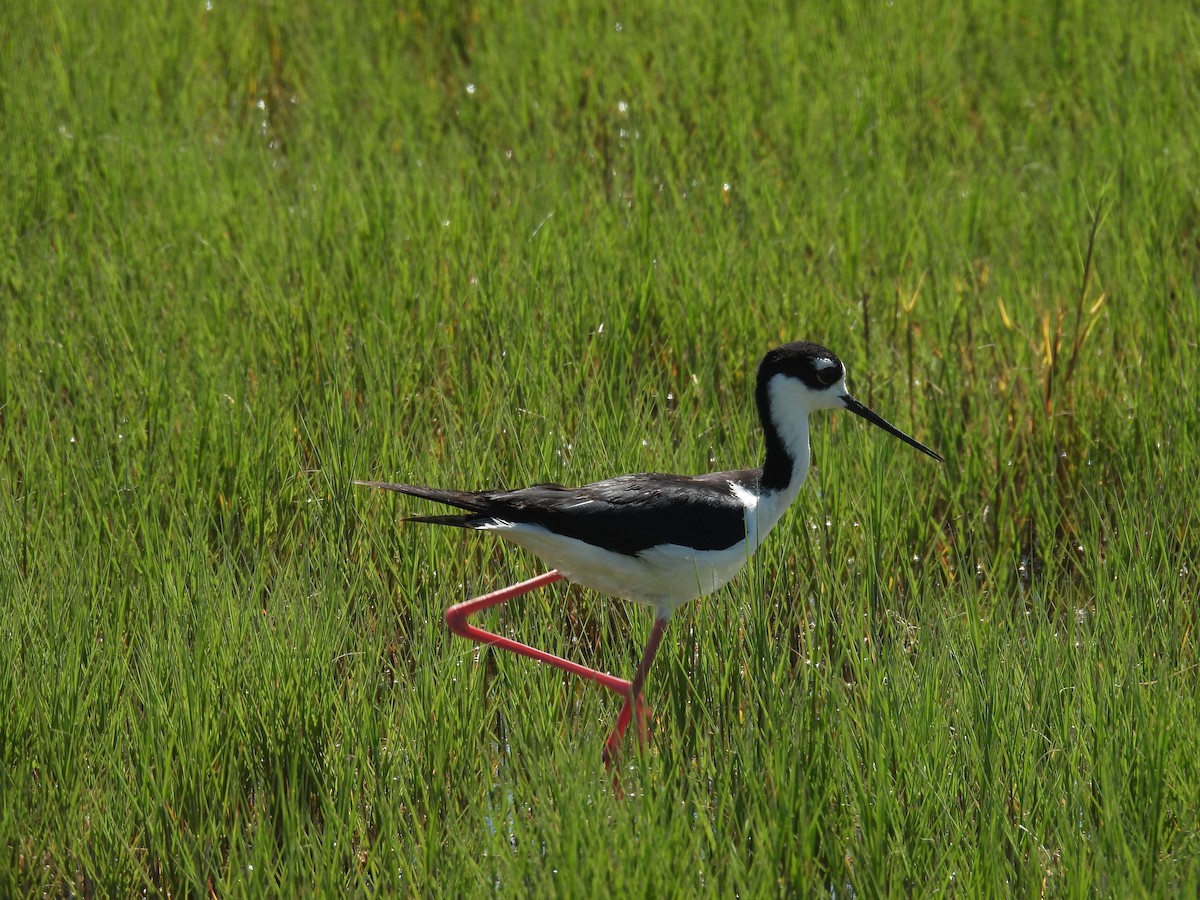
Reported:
(634, 707)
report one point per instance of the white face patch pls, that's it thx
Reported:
(824, 362)
(791, 399)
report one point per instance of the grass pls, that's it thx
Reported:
(250, 254)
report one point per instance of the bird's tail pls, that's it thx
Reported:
(469, 520)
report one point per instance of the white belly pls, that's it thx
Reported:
(663, 577)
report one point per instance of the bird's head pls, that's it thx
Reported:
(802, 377)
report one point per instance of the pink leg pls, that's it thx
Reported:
(456, 619)
(633, 699)
(457, 615)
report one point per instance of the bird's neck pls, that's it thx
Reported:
(785, 434)
(783, 472)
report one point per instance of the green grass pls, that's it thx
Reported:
(249, 254)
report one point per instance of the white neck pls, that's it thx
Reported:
(789, 416)
(789, 406)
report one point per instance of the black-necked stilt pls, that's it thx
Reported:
(661, 540)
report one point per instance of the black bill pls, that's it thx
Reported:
(874, 418)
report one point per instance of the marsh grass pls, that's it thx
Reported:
(249, 255)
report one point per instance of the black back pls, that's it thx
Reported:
(627, 515)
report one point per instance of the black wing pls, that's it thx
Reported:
(627, 515)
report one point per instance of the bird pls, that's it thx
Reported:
(661, 540)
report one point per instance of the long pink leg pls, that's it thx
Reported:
(457, 615)
(633, 699)
(457, 619)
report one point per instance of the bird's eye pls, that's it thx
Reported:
(828, 375)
